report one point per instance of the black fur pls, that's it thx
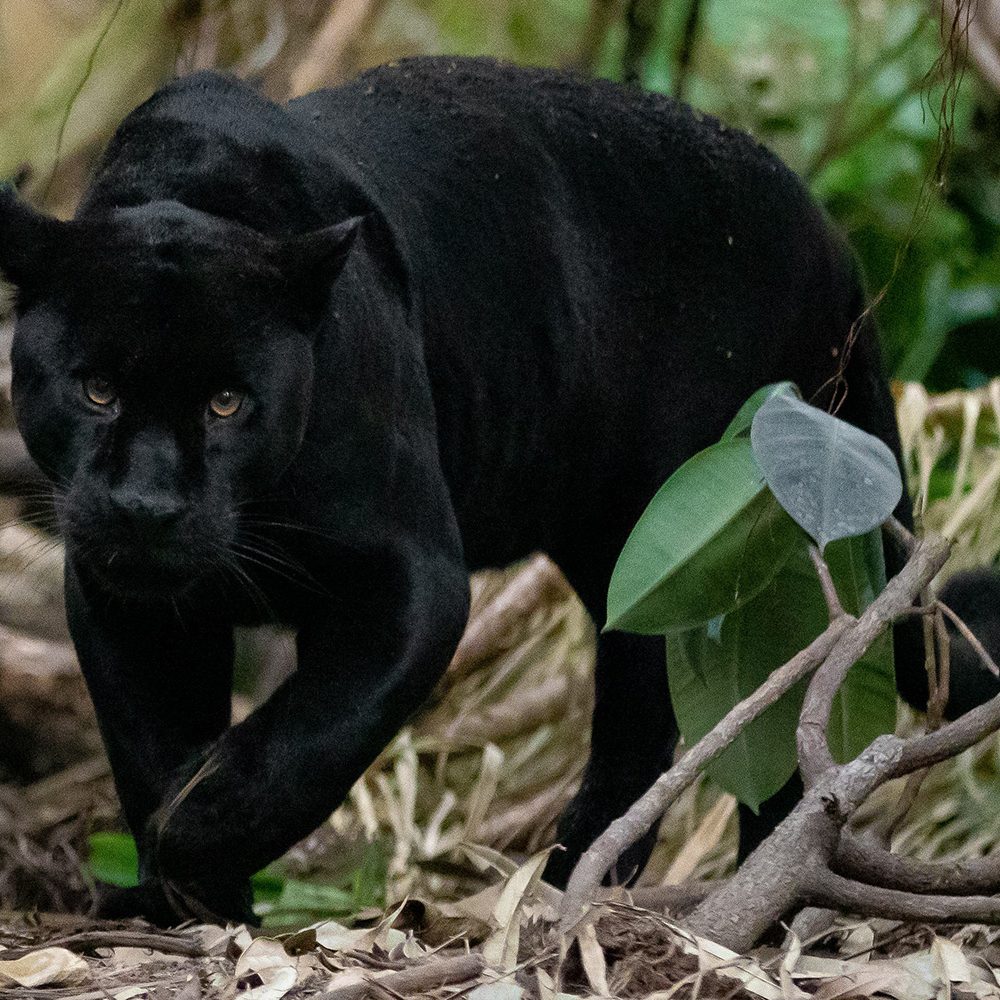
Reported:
(558, 292)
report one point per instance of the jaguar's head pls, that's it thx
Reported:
(162, 374)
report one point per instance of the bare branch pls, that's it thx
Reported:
(628, 829)
(675, 898)
(950, 740)
(424, 978)
(489, 630)
(326, 62)
(978, 648)
(900, 534)
(601, 18)
(937, 664)
(792, 868)
(685, 56)
(833, 890)
(866, 862)
(781, 874)
(830, 595)
(778, 875)
(926, 560)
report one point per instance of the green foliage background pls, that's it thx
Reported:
(846, 91)
(841, 91)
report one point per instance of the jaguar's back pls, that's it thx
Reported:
(602, 275)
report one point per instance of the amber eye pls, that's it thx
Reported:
(99, 391)
(225, 403)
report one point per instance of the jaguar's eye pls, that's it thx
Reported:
(99, 391)
(225, 403)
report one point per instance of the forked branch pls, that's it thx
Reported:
(810, 859)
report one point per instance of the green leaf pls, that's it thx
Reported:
(711, 538)
(368, 883)
(268, 885)
(114, 859)
(835, 480)
(713, 668)
(312, 901)
(865, 706)
(739, 426)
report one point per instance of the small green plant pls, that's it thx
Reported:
(278, 898)
(719, 564)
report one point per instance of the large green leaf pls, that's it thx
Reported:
(713, 668)
(711, 538)
(865, 706)
(836, 480)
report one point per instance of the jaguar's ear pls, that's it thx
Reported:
(31, 243)
(311, 262)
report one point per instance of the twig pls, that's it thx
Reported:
(488, 631)
(950, 740)
(169, 944)
(937, 667)
(978, 648)
(845, 640)
(782, 873)
(323, 64)
(602, 15)
(675, 898)
(420, 979)
(830, 595)
(641, 17)
(925, 561)
(980, 47)
(828, 889)
(900, 534)
(792, 868)
(87, 73)
(686, 54)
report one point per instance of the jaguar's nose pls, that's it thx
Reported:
(149, 510)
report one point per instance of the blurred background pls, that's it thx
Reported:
(848, 92)
(900, 143)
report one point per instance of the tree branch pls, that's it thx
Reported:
(628, 829)
(685, 56)
(845, 640)
(603, 14)
(866, 862)
(326, 61)
(782, 874)
(950, 740)
(641, 18)
(832, 890)
(925, 561)
(830, 595)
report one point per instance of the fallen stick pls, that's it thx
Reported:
(423, 978)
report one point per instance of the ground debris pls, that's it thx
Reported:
(508, 948)
(492, 763)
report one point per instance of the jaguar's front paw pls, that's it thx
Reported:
(147, 901)
(168, 904)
